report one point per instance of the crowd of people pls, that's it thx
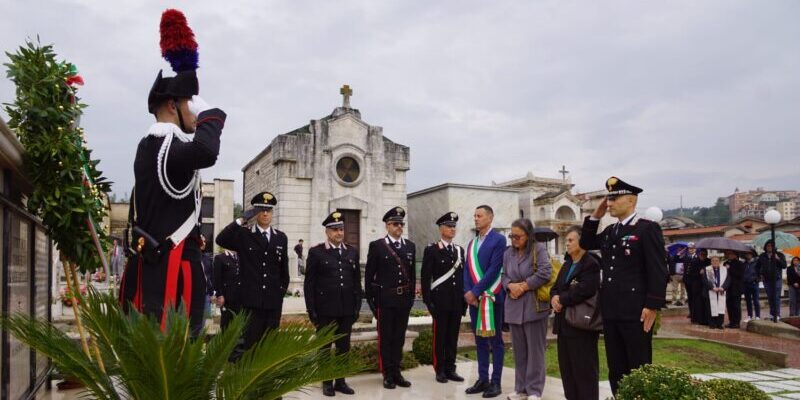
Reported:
(713, 286)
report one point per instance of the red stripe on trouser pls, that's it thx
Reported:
(380, 358)
(175, 266)
(137, 298)
(433, 347)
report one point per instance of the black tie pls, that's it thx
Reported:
(340, 251)
(397, 244)
(266, 236)
(450, 248)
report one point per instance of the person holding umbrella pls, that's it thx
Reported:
(771, 264)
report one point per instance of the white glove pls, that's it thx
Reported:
(198, 105)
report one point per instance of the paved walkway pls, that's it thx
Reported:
(780, 384)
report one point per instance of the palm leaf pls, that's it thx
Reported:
(284, 360)
(142, 362)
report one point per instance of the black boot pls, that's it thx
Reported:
(342, 387)
(492, 391)
(478, 387)
(327, 389)
(388, 382)
(453, 376)
(441, 377)
(400, 381)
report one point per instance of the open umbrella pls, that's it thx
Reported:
(794, 251)
(783, 240)
(721, 243)
(544, 234)
(674, 248)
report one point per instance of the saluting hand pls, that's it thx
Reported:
(648, 318)
(600, 211)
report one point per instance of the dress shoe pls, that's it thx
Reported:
(453, 376)
(327, 389)
(492, 391)
(517, 396)
(342, 387)
(441, 378)
(388, 383)
(400, 381)
(478, 387)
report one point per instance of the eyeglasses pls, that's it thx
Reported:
(397, 223)
(515, 236)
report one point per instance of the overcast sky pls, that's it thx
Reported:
(680, 97)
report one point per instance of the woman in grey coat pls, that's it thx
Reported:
(525, 315)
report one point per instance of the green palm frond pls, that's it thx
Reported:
(142, 362)
(284, 360)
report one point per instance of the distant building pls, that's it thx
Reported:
(755, 203)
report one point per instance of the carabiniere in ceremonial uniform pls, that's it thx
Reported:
(227, 286)
(390, 282)
(333, 289)
(442, 279)
(263, 266)
(634, 278)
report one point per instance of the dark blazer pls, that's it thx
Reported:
(771, 268)
(332, 283)
(736, 275)
(263, 267)
(792, 275)
(490, 257)
(437, 261)
(226, 279)
(634, 267)
(583, 283)
(386, 283)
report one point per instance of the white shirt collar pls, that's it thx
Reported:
(626, 221)
(390, 240)
(261, 231)
(445, 243)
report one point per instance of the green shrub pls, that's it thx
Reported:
(657, 382)
(423, 347)
(419, 313)
(729, 389)
(368, 354)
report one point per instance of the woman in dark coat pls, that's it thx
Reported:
(793, 279)
(578, 280)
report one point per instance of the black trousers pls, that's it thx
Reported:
(690, 297)
(628, 347)
(144, 285)
(579, 365)
(227, 314)
(344, 325)
(260, 322)
(446, 325)
(733, 302)
(392, 324)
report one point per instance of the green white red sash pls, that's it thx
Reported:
(485, 323)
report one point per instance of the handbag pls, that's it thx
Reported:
(585, 315)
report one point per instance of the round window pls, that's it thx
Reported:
(347, 169)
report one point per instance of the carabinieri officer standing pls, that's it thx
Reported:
(390, 283)
(442, 279)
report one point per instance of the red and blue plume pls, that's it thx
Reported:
(178, 46)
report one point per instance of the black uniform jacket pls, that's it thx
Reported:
(333, 282)
(263, 267)
(436, 262)
(582, 284)
(390, 275)
(634, 267)
(156, 212)
(226, 279)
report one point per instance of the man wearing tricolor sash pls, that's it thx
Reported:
(485, 296)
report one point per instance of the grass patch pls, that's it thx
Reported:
(693, 356)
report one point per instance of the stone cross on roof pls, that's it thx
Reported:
(346, 92)
(564, 172)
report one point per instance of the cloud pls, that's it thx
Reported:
(682, 98)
